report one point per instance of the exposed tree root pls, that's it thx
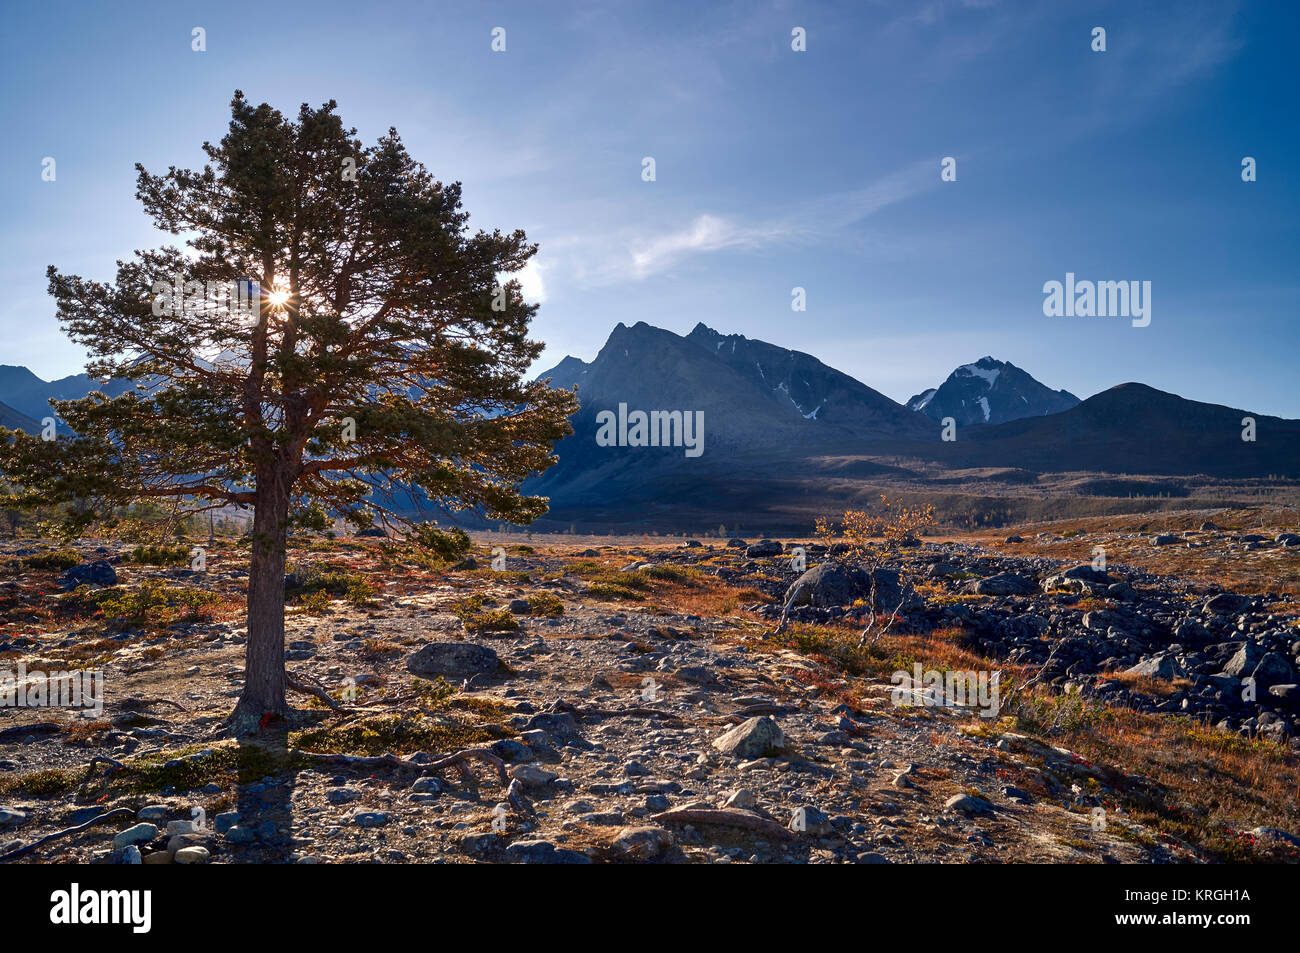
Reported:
(136, 704)
(18, 852)
(725, 818)
(743, 714)
(561, 706)
(306, 685)
(459, 759)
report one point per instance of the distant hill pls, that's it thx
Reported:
(990, 392)
(1133, 428)
(30, 395)
(16, 420)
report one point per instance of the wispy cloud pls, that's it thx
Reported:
(818, 219)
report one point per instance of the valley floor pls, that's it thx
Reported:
(646, 709)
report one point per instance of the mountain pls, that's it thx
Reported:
(568, 372)
(787, 438)
(760, 406)
(1133, 428)
(28, 394)
(16, 420)
(749, 390)
(813, 390)
(990, 392)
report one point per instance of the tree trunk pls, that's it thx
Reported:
(264, 676)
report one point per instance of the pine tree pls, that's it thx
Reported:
(382, 358)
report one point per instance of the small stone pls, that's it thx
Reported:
(181, 841)
(153, 813)
(139, 834)
(12, 817)
(192, 855)
(742, 798)
(755, 738)
(643, 843)
(967, 804)
(543, 852)
(532, 775)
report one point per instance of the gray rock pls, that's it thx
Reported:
(97, 573)
(643, 843)
(139, 834)
(453, 660)
(1157, 666)
(1244, 662)
(1226, 603)
(13, 817)
(1003, 584)
(810, 820)
(543, 852)
(533, 775)
(765, 547)
(968, 804)
(832, 585)
(756, 738)
(1272, 670)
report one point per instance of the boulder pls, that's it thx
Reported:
(643, 843)
(453, 660)
(543, 852)
(1272, 670)
(1226, 603)
(833, 584)
(968, 804)
(1003, 584)
(756, 738)
(1087, 573)
(1157, 666)
(97, 573)
(764, 547)
(1243, 663)
(139, 834)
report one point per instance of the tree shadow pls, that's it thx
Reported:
(264, 795)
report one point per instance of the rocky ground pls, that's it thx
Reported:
(637, 702)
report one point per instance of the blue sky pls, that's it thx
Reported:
(775, 168)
